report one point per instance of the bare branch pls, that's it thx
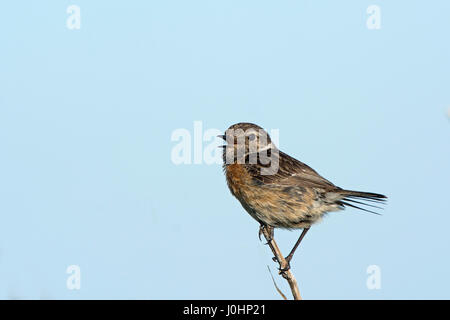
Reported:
(286, 274)
(275, 284)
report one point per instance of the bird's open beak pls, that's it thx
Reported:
(224, 137)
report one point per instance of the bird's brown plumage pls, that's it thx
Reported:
(293, 195)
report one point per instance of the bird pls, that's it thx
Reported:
(279, 191)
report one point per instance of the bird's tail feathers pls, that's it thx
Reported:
(352, 198)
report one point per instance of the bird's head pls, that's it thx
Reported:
(245, 142)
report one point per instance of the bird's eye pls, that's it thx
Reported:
(252, 137)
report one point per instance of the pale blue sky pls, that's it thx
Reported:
(86, 118)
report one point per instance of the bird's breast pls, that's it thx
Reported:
(237, 178)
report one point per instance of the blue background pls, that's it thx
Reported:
(86, 116)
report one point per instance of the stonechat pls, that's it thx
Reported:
(279, 191)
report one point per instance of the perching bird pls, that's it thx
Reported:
(277, 190)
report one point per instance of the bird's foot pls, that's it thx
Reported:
(271, 232)
(284, 266)
(261, 228)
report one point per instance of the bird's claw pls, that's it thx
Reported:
(284, 268)
(261, 228)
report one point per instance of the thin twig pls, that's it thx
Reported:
(286, 274)
(275, 284)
